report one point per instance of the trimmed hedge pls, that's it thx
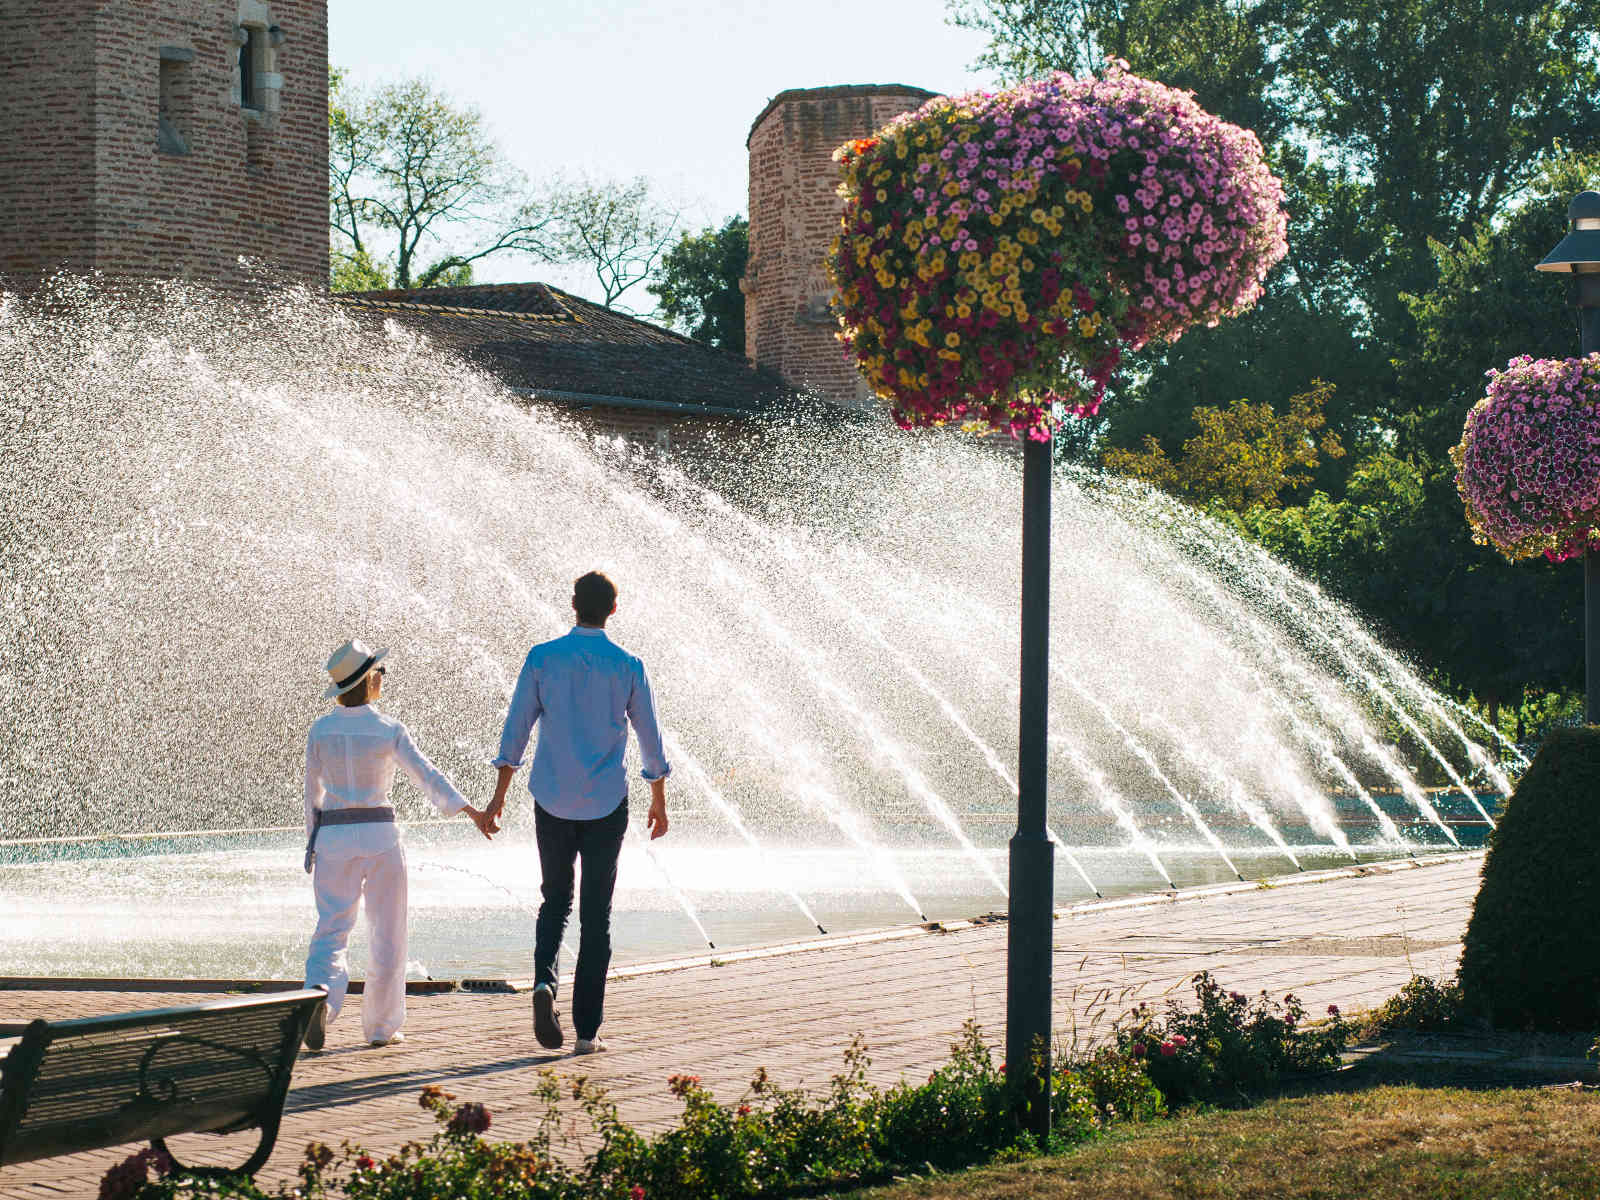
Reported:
(1532, 954)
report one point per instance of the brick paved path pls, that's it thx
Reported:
(1349, 938)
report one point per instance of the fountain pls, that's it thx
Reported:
(201, 494)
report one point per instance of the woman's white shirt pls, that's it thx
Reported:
(351, 757)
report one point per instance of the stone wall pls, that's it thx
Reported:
(126, 145)
(794, 217)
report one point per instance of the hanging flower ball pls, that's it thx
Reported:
(1528, 464)
(1000, 251)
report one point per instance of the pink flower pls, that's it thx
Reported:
(1168, 1049)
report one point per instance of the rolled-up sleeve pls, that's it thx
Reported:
(435, 784)
(313, 783)
(524, 711)
(642, 716)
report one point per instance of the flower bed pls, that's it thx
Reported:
(1000, 251)
(1528, 464)
(776, 1141)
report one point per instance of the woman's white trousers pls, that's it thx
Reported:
(340, 885)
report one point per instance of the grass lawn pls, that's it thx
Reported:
(1391, 1142)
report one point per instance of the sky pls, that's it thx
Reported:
(619, 88)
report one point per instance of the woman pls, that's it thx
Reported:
(353, 846)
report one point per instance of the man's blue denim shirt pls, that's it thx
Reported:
(586, 689)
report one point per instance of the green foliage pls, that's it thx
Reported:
(356, 271)
(1427, 151)
(1531, 956)
(409, 171)
(775, 1141)
(1230, 1047)
(697, 284)
(1244, 457)
(1422, 1004)
(1488, 306)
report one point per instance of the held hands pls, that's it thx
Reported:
(483, 819)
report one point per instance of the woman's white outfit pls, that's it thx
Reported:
(351, 756)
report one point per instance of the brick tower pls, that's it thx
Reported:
(164, 138)
(794, 215)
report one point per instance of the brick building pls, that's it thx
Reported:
(163, 138)
(156, 139)
(794, 215)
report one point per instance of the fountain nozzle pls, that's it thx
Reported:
(710, 943)
(820, 929)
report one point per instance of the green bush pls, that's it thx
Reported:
(1230, 1047)
(1531, 958)
(1421, 1004)
(780, 1142)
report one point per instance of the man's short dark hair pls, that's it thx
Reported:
(593, 597)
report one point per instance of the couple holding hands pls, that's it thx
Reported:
(583, 690)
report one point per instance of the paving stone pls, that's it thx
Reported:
(1349, 939)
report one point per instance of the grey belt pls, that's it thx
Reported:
(382, 814)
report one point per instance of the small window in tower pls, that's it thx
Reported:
(250, 67)
(174, 103)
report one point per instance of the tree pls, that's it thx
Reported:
(1489, 305)
(1390, 123)
(406, 170)
(619, 230)
(698, 284)
(1245, 456)
(1444, 112)
(1214, 48)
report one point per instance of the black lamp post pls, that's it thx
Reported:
(1579, 254)
(1031, 908)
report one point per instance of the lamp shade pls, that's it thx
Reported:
(1580, 250)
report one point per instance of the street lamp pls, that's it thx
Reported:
(1578, 254)
(1031, 911)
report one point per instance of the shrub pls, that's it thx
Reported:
(776, 1141)
(1230, 1047)
(1421, 1004)
(1531, 957)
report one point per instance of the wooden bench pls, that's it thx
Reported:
(218, 1067)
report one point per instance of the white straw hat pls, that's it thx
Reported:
(349, 666)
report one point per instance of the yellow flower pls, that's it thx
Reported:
(1037, 215)
(882, 195)
(952, 339)
(962, 310)
(995, 218)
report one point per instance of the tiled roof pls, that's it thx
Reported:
(540, 339)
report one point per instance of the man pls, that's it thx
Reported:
(585, 689)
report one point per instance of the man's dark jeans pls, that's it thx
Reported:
(598, 843)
